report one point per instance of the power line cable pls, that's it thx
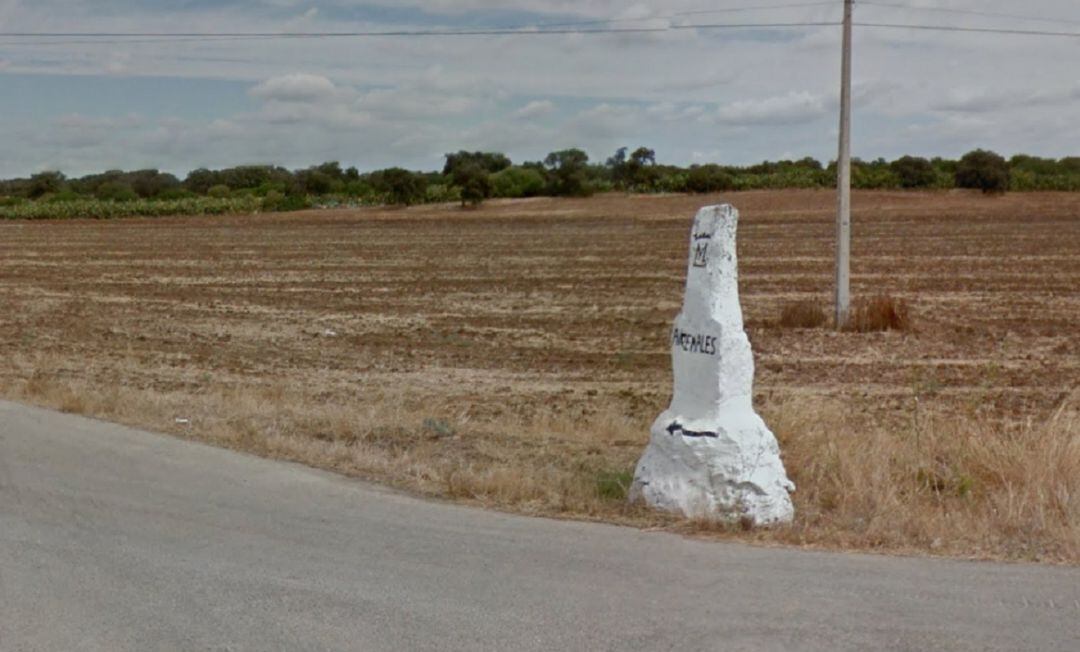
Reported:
(164, 36)
(113, 38)
(680, 14)
(823, 23)
(794, 5)
(356, 34)
(533, 28)
(528, 29)
(978, 30)
(166, 39)
(968, 12)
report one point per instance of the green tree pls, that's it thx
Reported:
(400, 187)
(984, 170)
(474, 182)
(1070, 164)
(643, 156)
(151, 183)
(568, 174)
(200, 180)
(634, 171)
(643, 172)
(261, 178)
(709, 178)
(332, 169)
(315, 181)
(490, 162)
(914, 172)
(618, 168)
(44, 183)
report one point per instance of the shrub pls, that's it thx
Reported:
(359, 188)
(115, 191)
(275, 200)
(400, 187)
(517, 182)
(1034, 165)
(272, 200)
(709, 178)
(873, 175)
(175, 193)
(802, 314)
(66, 194)
(801, 177)
(319, 180)
(219, 191)
(879, 313)
(672, 182)
(200, 180)
(983, 170)
(151, 183)
(914, 172)
(253, 176)
(441, 193)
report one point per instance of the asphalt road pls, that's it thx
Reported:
(116, 539)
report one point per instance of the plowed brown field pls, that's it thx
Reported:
(515, 355)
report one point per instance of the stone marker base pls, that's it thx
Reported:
(722, 469)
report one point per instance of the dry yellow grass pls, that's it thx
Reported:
(802, 314)
(880, 312)
(514, 356)
(960, 484)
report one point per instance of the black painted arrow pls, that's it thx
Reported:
(676, 429)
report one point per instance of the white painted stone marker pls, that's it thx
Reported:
(710, 455)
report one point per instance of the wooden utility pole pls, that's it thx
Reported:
(843, 182)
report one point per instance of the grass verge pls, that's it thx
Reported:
(933, 480)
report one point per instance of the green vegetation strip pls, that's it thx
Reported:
(105, 209)
(472, 177)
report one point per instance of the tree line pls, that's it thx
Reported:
(472, 177)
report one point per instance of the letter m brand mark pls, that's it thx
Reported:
(701, 252)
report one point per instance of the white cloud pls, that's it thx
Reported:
(77, 131)
(604, 121)
(672, 112)
(79, 122)
(985, 101)
(793, 107)
(535, 109)
(297, 87)
(409, 102)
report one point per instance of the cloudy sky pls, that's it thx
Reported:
(694, 95)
